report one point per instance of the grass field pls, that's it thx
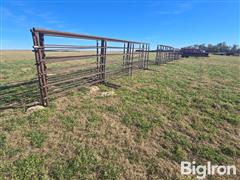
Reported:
(184, 110)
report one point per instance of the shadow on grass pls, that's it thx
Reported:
(26, 93)
(19, 94)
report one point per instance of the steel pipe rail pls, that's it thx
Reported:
(79, 36)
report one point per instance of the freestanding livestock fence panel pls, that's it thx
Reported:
(165, 54)
(63, 67)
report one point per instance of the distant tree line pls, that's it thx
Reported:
(218, 48)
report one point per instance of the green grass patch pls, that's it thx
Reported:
(108, 171)
(137, 119)
(2, 141)
(28, 168)
(36, 138)
(210, 154)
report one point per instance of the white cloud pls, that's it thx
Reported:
(51, 19)
(9, 15)
(176, 10)
(24, 16)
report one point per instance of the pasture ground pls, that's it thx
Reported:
(184, 110)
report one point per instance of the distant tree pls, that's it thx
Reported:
(202, 47)
(210, 48)
(196, 46)
(234, 48)
(238, 51)
(220, 47)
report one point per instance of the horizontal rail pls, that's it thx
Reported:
(75, 79)
(59, 92)
(17, 84)
(15, 93)
(54, 59)
(76, 47)
(79, 36)
(19, 106)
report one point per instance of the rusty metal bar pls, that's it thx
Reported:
(129, 59)
(75, 79)
(103, 59)
(140, 56)
(143, 56)
(148, 50)
(53, 46)
(44, 70)
(131, 63)
(79, 36)
(146, 56)
(54, 59)
(124, 54)
(127, 55)
(38, 40)
(156, 57)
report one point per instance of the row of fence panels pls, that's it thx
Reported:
(89, 60)
(63, 67)
(165, 54)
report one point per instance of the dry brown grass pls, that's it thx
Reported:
(184, 110)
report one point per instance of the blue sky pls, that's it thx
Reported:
(177, 23)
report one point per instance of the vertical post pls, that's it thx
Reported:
(131, 64)
(103, 59)
(148, 49)
(168, 54)
(145, 56)
(97, 63)
(44, 68)
(156, 58)
(38, 41)
(143, 63)
(124, 56)
(159, 54)
(127, 57)
(139, 56)
(163, 55)
(170, 50)
(174, 57)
